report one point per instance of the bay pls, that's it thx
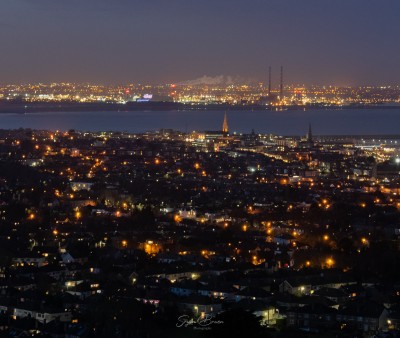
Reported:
(375, 121)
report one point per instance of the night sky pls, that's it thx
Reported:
(342, 42)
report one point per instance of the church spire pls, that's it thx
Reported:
(309, 135)
(225, 128)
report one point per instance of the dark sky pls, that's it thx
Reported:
(119, 41)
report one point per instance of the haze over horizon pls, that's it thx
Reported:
(97, 41)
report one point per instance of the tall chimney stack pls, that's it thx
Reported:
(281, 85)
(269, 81)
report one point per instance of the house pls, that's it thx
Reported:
(364, 315)
(393, 320)
(29, 258)
(267, 313)
(185, 288)
(54, 271)
(41, 314)
(295, 287)
(284, 239)
(18, 283)
(200, 305)
(315, 316)
(217, 291)
(84, 290)
(253, 293)
(338, 296)
(77, 186)
(192, 287)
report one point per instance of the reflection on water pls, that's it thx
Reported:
(289, 122)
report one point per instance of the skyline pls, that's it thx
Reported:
(187, 169)
(317, 43)
(218, 81)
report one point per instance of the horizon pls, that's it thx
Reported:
(184, 83)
